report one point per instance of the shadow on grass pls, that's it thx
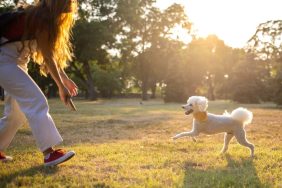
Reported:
(237, 173)
(42, 170)
(111, 129)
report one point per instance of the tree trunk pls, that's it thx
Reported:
(144, 90)
(153, 89)
(91, 92)
(211, 95)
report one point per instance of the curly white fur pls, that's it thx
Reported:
(232, 124)
(243, 115)
(201, 102)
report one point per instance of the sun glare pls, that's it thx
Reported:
(233, 21)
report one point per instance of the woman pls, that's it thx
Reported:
(44, 29)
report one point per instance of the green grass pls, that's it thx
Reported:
(120, 143)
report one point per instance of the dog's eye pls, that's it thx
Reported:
(190, 105)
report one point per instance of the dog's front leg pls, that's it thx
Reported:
(191, 133)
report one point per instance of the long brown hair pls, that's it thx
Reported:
(54, 17)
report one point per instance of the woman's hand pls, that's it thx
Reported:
(71, 86)
(64, 94)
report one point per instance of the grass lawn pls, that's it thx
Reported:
(121, 143)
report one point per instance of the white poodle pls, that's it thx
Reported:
(203, 122)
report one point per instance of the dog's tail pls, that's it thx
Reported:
(243, 115)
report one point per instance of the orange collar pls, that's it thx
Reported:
(200, 116)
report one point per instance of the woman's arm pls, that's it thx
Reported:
(45, 48)
(71, 86)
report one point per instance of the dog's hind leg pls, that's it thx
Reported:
(191, 133)
(241, 138)
(227, 139)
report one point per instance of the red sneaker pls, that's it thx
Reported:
(58, 156)
(5, 158)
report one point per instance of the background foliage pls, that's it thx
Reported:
(127, 47)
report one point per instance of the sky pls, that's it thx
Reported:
(233, 21)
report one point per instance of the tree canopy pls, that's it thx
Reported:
(127, 47)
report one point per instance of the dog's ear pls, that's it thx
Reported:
(202, 104)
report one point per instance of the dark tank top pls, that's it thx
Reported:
(15, 30)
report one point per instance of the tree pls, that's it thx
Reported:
(207, 61)
(6, 5)
(93, 34)
(266, 45)
(145, 28)
(177, 73)
(246, 80)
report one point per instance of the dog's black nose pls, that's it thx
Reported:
(182, 107)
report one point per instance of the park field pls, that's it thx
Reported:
(122, 143)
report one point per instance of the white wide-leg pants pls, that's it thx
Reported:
(25, 100)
